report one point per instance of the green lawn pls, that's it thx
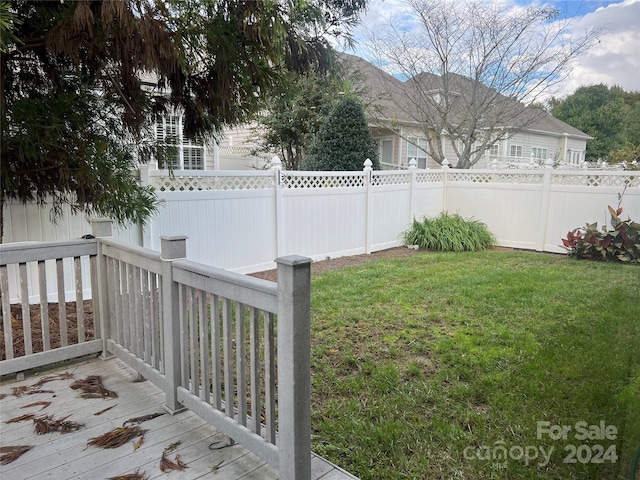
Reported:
(422, 366)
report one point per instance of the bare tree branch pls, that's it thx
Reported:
(470, 68)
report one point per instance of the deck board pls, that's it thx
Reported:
(67, 456)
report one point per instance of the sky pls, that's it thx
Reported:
(614, 60)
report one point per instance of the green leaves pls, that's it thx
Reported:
(610, 115)
(620, 244)
(449, 233)
(344, 141)
(76, 114)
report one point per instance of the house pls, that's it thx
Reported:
(235, 151)
(401, 138)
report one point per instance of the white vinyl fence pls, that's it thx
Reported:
(243, 220)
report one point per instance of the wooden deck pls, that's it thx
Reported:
(66, 455)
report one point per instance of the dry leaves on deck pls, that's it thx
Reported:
(138, 443)
(21, 418)
(166, 464)
(10, 453)
(26, 390)
(144, 418)
(172, 446)
(48, 424)
(51, 378)
(131, 476)
(116, 437)
(38, 404)
(105, 409)
(92, 387)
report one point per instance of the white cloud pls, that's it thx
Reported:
(615, 60)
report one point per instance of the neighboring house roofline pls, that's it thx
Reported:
(378, 81)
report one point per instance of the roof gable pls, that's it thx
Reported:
(401, 106)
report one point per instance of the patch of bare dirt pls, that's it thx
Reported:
(341, 262)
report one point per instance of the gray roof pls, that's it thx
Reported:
(395, 100)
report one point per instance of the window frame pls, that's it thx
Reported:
(519, 150)
(188, 154)
(413, 143)
(540, 153)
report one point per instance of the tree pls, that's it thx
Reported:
(471, 66)
(76, 115)
(609, 114)
(628, 155)
(598, 111)
(344, 141)
(294, 115)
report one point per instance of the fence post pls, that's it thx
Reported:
(276, 166)
(367, 172)
(412, 189)
(172, 247)
(294, 367)
(100, 228)
(543, 217)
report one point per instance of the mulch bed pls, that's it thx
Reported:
(341, 262)
(54, 327)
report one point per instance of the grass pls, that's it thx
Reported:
(421, 364)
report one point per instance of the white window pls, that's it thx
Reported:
(516, 150)
(494, 150)
(538, 152)
(180, 153)
(576, 157)
(385, 149)
(417, 147)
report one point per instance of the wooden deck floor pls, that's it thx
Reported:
(66, 455)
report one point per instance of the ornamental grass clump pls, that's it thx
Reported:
(449, 233)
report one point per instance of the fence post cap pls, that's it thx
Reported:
(445, 163)
(276, 163)
(173, 247)
(413, 163)
(367, 165)
(101, 227)
(293, 260)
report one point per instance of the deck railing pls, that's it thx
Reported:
(234, 349)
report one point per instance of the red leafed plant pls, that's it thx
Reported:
(621, 244)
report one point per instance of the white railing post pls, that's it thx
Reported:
(171, 248)
(368, 172)
(294, 367)
(101, 228)
(276, 166)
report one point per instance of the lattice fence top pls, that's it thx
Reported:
(322, 180)
(495, 177)
(596, 179)
(390, 178)
(429, 177)
(314, 180)
(196, 183)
